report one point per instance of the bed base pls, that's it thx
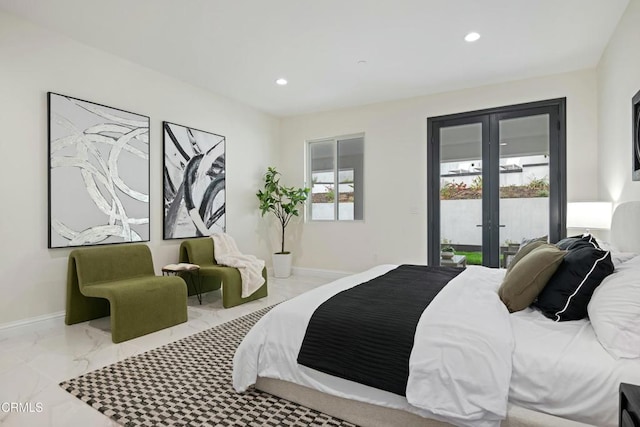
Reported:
(369, 415)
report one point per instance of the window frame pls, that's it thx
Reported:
(309, 179)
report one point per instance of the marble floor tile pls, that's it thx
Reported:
(20, 385)
(8, 361)
(35, 358)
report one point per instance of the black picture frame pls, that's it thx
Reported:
(635, 137)
(194, 182)
(98, 173)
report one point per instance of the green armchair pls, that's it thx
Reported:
(213, 276)
(119, 280)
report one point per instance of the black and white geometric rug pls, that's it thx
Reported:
(188, 383)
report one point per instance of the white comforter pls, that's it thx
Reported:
(562, 369)
(460, 365)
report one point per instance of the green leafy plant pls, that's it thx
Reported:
(539, 186)
(539, 183)
(330, 194)
(282, 201)
(452, 190)
(476, 184)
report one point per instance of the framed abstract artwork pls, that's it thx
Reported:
(194, 182)
(98, 174)
(635, 137)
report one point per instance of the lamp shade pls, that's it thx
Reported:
(592, 215)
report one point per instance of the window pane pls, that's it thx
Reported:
(322, 180)
(351, 177)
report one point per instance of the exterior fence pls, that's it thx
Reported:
(523, 218)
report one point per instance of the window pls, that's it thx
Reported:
(335, 174)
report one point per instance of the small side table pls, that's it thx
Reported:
(456, 261)
(183, 267)
(629, 405)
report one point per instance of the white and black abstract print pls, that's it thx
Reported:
(98, 174)
(194, 182)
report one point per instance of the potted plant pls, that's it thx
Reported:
(447, 252)
(283, 202)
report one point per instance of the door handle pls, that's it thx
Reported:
(501, 225)
(478, 225)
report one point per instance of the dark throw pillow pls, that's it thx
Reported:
(523, 283)
(567, 241)
(577, 241)
(568, 292)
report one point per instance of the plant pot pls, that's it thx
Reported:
(281, 265)
(446, 255)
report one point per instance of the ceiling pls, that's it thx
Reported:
(238, 48)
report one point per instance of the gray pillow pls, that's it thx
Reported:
(523, 251)
(529, 276)
(525, 242)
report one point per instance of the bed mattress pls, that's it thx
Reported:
(558, 368)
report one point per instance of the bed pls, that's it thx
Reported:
(559, 374)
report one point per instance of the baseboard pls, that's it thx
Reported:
(314, 272)
(31, 320)
(317, 272)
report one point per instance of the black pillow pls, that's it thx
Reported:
(577, 241)
(569, 290)
(564, 243)
(586, 240)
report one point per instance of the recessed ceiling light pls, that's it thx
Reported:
(281, 81)
(471, 37)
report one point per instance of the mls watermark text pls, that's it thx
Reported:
(22, 407)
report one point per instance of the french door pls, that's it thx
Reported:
(495, 177)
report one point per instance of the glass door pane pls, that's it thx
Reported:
(524, 181)
(461, 194)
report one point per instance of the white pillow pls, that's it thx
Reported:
(614, 311)
(621, 257)
(616, 256)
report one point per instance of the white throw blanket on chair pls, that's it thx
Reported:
(226, 253)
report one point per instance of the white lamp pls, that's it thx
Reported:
(589, 215)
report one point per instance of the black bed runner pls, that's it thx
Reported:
(365, 334)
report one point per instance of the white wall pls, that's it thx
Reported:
(394, 229)
(523, 218)
(34, 61)
(618, 81)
